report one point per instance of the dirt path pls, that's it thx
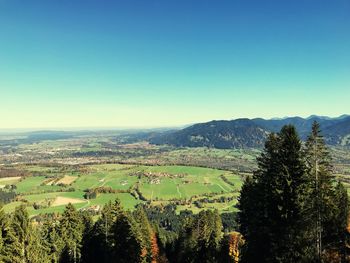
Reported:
(225, 190)
(86, 205)
(100, 182)
(178, 190)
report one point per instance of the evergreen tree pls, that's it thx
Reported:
(52, 238)
(319, 170)
(145, 230)
(7, 238)
(128, 240)
(99, 246)
(3, 229)
(88, 235)
(252, 206)
(200, 238)
(109, 215)
(36, 252)
(255, 206)
(335, 235)
(329, 205)
(71, 231)
(273, 204)
(20, 226)
(25, 243)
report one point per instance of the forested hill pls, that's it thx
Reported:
(244, 133)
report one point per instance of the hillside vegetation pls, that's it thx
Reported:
(252, 133)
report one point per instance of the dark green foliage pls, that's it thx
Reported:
(336, 236)
(71, 231)
(273, 214)
(168, 225)
(20, 225)
(7, 196)
(200, 239)
(290, 207)
(90, 195)
(87, 234)
(37, 252)
(229, 221)
(117, 236)
(7, 237)
(145, 230)
(99, 246)
(128, 246)
(252, 221)
(329, 206)
(242, 133)
(165, 216)
(54, 244)
(22, 239)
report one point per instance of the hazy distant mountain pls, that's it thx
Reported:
(339, 132)
(218, 134)
(242, 133)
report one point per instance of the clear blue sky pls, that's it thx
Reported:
(84, 63)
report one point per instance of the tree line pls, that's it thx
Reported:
(116, 236)
(292, 209)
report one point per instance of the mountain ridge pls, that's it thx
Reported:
(252, 133)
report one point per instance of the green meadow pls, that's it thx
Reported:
(154, 184)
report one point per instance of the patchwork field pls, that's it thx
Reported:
(91, 186)
(74, 169)
(60, 200)
(8, 181)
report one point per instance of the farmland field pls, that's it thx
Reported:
(131, 184)
(93, 169)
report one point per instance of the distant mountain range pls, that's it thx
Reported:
(244, 133)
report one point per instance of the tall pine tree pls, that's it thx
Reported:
(273, 204)
(50, 232)
(99, 246)
(129, 246)
(71, 231)
(7, 238)
(329, 204)
(200, 239)
(145, 229)
(25, 243)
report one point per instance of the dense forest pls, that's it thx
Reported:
(291, 210)
(117, 236)
(247, 133)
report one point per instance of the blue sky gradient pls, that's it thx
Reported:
(75, 63)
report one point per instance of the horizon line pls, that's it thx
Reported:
(155, 127)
